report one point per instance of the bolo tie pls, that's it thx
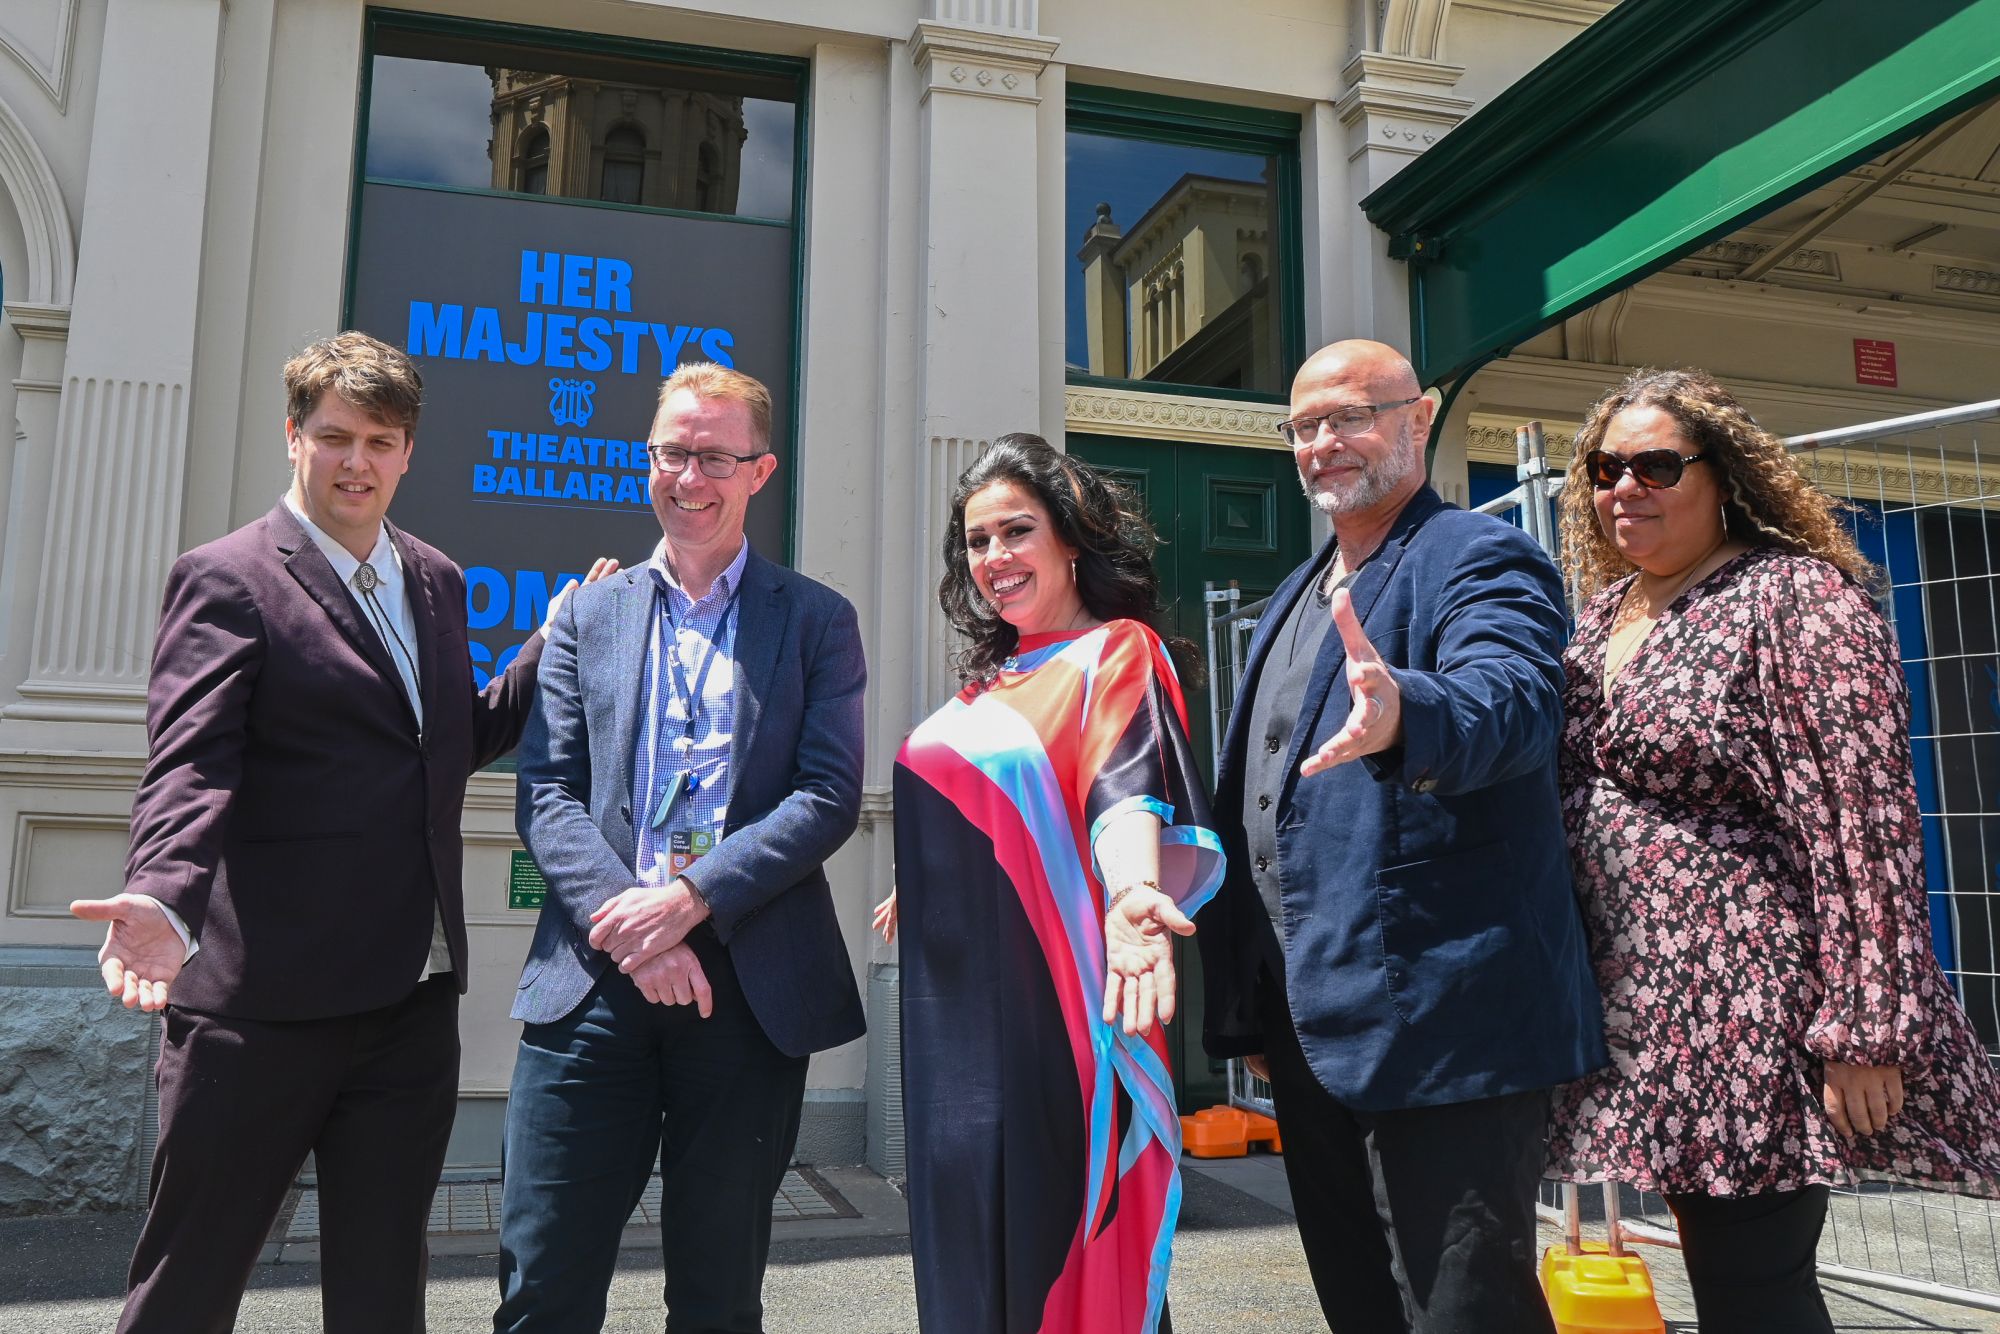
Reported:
(367, 581)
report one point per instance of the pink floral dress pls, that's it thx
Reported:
(1743, 822)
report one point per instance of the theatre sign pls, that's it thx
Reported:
(543, 329)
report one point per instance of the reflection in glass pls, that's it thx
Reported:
(624, 176)
(621, 130)
(531, 174)
(1172, 280)
(597, 126)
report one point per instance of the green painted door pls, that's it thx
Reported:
(1222, 513)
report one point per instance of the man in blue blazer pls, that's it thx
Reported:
(1397, 945)
(694, 757)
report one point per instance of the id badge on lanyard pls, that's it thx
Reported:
(683, 782)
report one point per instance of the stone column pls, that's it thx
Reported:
(121, 433)
(979, 329)
(1394, 107)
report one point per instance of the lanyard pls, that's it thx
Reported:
(681, 690)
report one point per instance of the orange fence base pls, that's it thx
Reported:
(1227, 1132)
(1600, 1293)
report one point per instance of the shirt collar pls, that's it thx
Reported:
(383, 556)
(725, 583)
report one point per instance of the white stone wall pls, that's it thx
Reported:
(174, 223)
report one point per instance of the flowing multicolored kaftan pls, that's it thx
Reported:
(1042, 1143)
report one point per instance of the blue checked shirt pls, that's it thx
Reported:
(692, 628)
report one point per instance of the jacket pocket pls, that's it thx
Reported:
(1458, 954)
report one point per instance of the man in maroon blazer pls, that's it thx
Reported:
(293, 887)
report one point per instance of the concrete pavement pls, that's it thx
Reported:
(1237, 1266)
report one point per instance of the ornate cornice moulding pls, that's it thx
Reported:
(1203, 421)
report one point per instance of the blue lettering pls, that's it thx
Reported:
(715, 345)
(499, 439)
(576, 271)
(630, 492)
(572, 451)
(600, 487)
(596, 354)
(557, 331)
(483, 582)
(523, 447)
(614, 285)
(538, 278)
(529, 350)
(483, 341)
(531, 599)
(484, 478)
(434, 330)
(669, 341)
(631, 334)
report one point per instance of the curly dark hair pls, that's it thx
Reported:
(1090, 512)
(1767, 501)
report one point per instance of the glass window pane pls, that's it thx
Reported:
(486, 115)
(1172, 274)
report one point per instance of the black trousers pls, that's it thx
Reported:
(1419, 1221)
(370, 1095)
(602, 1093)
(1750, 1261)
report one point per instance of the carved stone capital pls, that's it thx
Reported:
(979, 61)
(1398, 104)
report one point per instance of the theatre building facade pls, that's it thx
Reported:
(924, 223)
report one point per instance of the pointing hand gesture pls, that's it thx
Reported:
(1375, 722)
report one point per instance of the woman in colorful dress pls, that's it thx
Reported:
(1052, 837)
(1742, 815)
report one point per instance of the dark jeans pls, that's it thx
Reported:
(1750, 1261)
(1417, 1221)
(597, 1096)
(241, 1102)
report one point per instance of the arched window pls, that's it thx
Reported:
(624, 177)
(534, 157)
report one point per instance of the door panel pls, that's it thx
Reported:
(1221, 513)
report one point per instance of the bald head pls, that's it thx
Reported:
(1359, 361)
(1359, 477)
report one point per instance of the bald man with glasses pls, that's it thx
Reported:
(1396, 946)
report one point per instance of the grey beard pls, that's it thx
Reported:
(1376, 482)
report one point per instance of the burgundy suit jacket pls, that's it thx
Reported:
(289, 812)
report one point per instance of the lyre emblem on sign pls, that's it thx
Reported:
(569, 401)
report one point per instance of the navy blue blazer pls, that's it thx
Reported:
(794, 797)
(1434, 952)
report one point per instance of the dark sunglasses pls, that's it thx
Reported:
(1655, 468)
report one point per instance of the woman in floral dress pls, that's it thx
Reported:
(1743, 820)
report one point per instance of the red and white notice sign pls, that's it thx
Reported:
(1875, 362)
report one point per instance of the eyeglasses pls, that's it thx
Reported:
(1346, 422)
(713, 462)
(1655, 468)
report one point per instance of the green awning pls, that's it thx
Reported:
(1664, 126)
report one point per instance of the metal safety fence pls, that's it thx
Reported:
(1926, 509)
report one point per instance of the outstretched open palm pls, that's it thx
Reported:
(142, 952)
(1139, 936)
